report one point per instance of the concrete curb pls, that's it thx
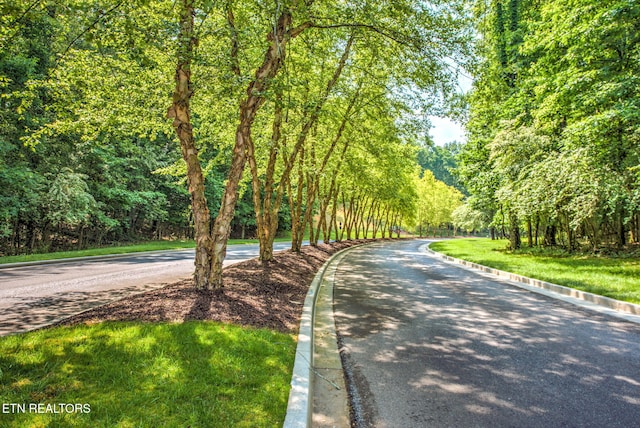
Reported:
(300, 406)
(617, 308)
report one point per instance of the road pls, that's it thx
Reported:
(34, 296)
(430, 344)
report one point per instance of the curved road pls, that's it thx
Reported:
(430, 344)
(35, 296)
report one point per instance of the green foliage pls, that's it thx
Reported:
(88, 156)
(82, 126)
(69, 200)
(442, 162)
(554, 120)
(436, 202)
(469, 219)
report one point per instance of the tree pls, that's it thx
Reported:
(267, 207)
(442, 162)
(436, 203)
(553, 118)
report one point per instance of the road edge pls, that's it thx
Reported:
(617, 308)
(300, 403)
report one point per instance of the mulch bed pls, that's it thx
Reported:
(254, 294)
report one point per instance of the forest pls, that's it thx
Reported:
(553, 149)
(157, 119)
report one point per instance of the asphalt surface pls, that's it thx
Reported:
(35, 296)
(429, 344)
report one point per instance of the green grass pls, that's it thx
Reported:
(124, 249)
(102, 251)
(197, 374)
(615, 277)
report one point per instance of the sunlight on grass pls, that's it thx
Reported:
(165, 245)
(102, 251)
(197, 374)
(615, 277)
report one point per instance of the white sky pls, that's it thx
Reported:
(445, 131)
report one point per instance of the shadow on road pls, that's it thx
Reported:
(461, 350)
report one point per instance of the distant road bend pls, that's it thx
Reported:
(34, 296)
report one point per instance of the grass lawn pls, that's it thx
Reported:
(102, 251)
(197, 374)
(615, 277)
(124, 249)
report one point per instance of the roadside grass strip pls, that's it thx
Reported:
(124, 374)
(610, 276)
(102, 251)
(165, 245)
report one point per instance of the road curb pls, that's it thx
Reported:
(300, 405)
(617, 308)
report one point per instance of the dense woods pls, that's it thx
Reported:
(151, 119)
(554, 123)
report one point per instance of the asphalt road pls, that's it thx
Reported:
(429, 344)
(35, 296)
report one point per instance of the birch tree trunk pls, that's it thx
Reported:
(180, 111)
(297, 229)
(211, 249)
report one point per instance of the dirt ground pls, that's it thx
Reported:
(254, 294)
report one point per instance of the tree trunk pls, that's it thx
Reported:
(550, 235)
(514, 231)
(349, 213)
(295, 202)
(367, 220)
(334, 218)
(635, 229)
(271, 64)
(180, 111)
(622, 237)
(377, 221)
(267, 207)
(343, 226)
(323, 206)
(386, 222)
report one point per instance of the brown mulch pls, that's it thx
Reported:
(254, 294)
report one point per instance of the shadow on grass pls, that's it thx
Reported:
(198, 374)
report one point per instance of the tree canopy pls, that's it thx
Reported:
(553, 127)
(126, 120)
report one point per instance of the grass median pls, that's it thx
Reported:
(617, 277)
(124, 374)
(102, 251)
(159, 245)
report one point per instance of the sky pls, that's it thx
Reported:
(445, 131)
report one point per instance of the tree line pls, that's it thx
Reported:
(157, 118)
(554, 123)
